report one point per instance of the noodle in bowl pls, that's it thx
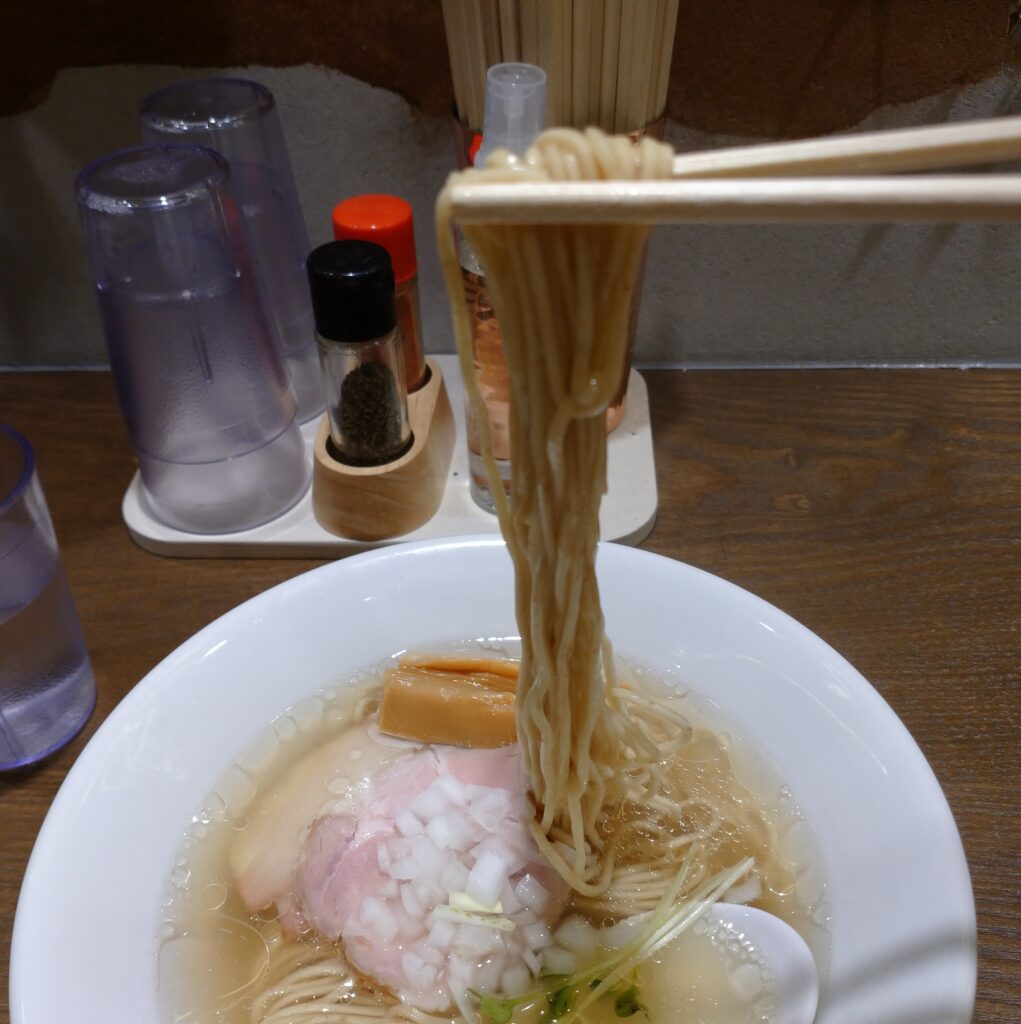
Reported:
(109, 843)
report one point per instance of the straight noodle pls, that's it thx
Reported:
(306, 984)
(563, 294)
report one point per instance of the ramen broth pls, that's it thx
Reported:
(220, 963)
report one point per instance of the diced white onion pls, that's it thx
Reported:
(430, 954)
(557, 960)
(454, 877)
(405, 869)
(536, 935)
(532, 894)
(399, 847)
(413, 904)
(623, 932)
(452, 830)
(407, 823)
(417, 971)
(379, 919)
(487, 878)
(493, 844)
(487, 975)
(511, 904)
(489, 807)
(475, 940)
(428, 804)
(371, 909)
(455, 896)
(431, 859)
(430, 891)
(577, 935)
(387, 926)
(515, 980)
(441, 934)
(453, 789)
(440, 832)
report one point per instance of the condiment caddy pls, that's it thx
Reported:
(627, 515)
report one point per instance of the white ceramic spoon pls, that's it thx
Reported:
(788, 957)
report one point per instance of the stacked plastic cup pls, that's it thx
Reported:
(200, 377)
(239, 120)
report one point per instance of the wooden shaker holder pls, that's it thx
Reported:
(378, 502)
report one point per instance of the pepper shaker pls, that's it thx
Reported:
(352, 285)
(381, 456)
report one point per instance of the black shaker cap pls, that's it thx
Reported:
(352, 285)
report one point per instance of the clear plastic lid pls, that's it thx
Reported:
(515, 109)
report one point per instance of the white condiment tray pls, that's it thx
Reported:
(627, 514)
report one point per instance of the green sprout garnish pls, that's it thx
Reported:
(559, 1002)
(627, 1003)
(499, 1011)
(568, 998)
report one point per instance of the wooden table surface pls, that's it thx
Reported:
(881, 508)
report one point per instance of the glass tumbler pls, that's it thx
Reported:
(239, 119)
(47, 690)
(200, 377)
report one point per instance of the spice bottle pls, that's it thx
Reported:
(352, 285)
(387, 221)
(515, 111)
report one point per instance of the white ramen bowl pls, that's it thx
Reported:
(903, 920)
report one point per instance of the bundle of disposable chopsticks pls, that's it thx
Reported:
(869, 177)
(607, 61)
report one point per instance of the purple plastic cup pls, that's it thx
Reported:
(47, 689)
(200, 376)
(239, 119)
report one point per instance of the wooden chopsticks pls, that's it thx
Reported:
(888, 152)
(849, 178)
(916, 199)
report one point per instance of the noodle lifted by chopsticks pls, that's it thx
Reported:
(563, 295)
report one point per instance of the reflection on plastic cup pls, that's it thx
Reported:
(239, 120)
(200, 376)
(47, 690)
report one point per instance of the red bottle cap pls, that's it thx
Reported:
(385, 220)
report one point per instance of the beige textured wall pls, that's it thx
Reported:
(714, 295)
